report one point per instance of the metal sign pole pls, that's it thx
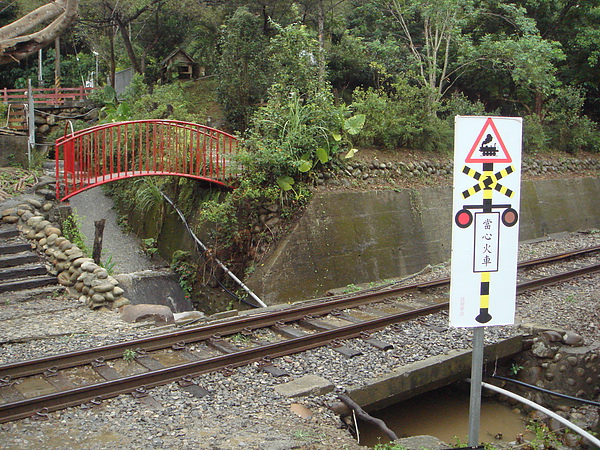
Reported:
(485, 235)
(476, 379)
(30, 123)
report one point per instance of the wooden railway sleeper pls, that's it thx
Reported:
(266, 365)
(343, 349)
(378, 344)
(188, 384)
(221, 345)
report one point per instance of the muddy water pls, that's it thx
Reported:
(444, 413)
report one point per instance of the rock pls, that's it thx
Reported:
(64, 279)
(98, 299)
(530, 375)
(421, 442)
(161, 314)
(121, 302)
(188, 315)
(101, 286)
(10, 219)
(35, 203)
(304, 386)
(41, 226)
(543, 350)
(571, 338)
(301, 411)
(551, 335)
(272, 222)
(117, 291)
(101, 273)
(89, 266)
(52, 230)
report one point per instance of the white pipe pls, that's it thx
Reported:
(227, 271)
(562, 420)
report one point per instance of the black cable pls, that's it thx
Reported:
(582, 400)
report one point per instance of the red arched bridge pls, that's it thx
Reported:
(115, 151)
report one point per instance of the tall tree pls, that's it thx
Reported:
(242, 71)
(19, 40)
(431, 28)
(114, 17)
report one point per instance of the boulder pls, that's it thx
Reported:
(160, 314)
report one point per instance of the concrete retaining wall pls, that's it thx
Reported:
(423, 376)
(349, 237)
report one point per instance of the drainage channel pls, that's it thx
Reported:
(444, 413)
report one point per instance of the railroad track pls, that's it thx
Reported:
(36, 387)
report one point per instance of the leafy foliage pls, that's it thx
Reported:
(242, 69)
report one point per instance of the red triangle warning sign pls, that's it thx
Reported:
(488, 147)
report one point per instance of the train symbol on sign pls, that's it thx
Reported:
(488, 150)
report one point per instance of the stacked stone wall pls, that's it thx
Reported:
(82, 277)
(557, 361)
(48, 119)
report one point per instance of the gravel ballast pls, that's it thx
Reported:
(243, 410)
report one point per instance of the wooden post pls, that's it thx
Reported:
(97, 250)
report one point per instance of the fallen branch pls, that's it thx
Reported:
(362, 414)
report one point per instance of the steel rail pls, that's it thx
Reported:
(259, 320)
(73, 397)
(104, 390)
(525, 264)
(557, 278)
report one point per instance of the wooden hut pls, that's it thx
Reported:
(179, 65)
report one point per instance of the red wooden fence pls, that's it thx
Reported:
(46, 96)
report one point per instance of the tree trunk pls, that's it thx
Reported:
(16, 45)
(98, 235)
(321, 56)
(112, 62)
(362, 414)
(128, 46)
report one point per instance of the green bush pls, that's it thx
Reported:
(568, 130)
(395, 119)
(534, 135)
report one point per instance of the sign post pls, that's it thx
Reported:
(485, 235)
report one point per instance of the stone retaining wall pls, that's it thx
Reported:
(556, 361)
(81, 276)
(386, 170)
(49, 118)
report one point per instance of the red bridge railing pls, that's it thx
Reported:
(115, 151)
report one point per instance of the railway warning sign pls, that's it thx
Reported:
(485, 233)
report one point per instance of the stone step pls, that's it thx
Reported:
(6, 249)
(16, 273)
(7, 233)
(29, 283)
(18, 260)
(20, 268)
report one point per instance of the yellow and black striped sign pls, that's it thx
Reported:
(487, 181)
